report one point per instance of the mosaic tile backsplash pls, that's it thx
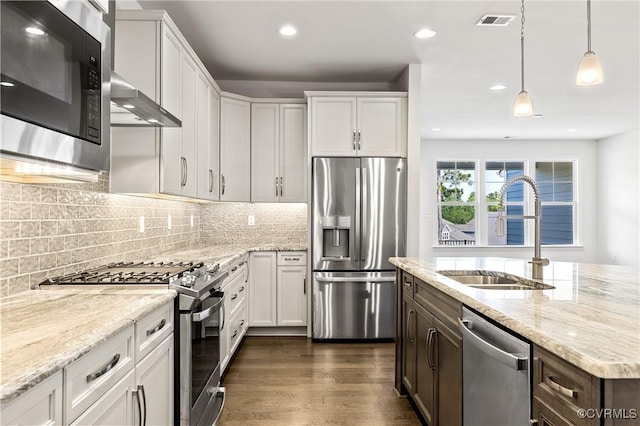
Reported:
(53, 229)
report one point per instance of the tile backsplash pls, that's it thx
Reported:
(54, 229)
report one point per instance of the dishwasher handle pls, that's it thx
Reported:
(512, 361)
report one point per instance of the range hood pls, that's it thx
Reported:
(132, 108)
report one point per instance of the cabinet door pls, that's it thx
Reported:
(381, 128)
(188, 145)
(235, 154)
(225, 335)
(154, 384)
(114, 408)
(262, 289)
(41, 405)
(333, 126)
(265, 138)
(408, 344)
(448, 345)
(425, 384)
(171, 58)
(292, 296)
(207, 139)
(293, 153)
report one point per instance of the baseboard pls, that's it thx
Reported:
(277, 331)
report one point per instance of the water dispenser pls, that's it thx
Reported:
(336, 232)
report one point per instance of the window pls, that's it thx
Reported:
(465, 219)
(456, 202)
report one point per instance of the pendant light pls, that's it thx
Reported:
(523, 106)
(589, 70)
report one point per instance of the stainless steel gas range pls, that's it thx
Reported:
(200, 300)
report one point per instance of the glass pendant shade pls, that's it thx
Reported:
(589, 70)
(523, 106)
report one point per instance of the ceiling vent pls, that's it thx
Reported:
(493, 20)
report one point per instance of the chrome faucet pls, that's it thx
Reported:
(537, 262)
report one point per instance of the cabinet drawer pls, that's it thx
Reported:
(407, 283)
(89, 377)
(292, 258)
(238, 328)
(235, 294)
(564, 387)
(41, 405)
(153, 329)
(445, 308)
(546, 416)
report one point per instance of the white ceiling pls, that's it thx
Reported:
(372, 41)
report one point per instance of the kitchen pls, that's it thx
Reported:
(49, 230)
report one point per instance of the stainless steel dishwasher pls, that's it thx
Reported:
(496, 378)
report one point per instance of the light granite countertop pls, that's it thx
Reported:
(43, 331)
(224, 254)
(591, 319)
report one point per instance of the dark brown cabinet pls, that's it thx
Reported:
(431, 351)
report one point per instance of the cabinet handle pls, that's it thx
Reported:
(91, 377)
(223, 184)
(144, 403)
(235, 268)
(276, 186)
(224, 317)
(241, 322)
(407, 284)
(359, 138)
(186, 171)
(241, 289)
(304, 284)
(234, 297)
(569, 393)
(137, 394)
(409, 326)
(354, 139)
(210, 180)
(157, 328)
(181, 171)
(235, 333)
(281, 186)
(431, 345)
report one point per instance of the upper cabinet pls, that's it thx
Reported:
(207, 140)
(235, 151)
(278, 152)
(369, 124)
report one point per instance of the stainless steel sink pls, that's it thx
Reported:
(494, 280)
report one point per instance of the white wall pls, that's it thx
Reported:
(618, 194)
(294, 89)
(583, 151)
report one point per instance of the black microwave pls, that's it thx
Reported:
(54, 82)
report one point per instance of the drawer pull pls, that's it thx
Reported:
(234, 297)
(91, 377)
(241, 289)
(235, 333)
(235, 268)
(407, 284)
(157, 328)
(569, 393)
(242, 322)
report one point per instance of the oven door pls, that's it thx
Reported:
(206, 396)
(55, 72)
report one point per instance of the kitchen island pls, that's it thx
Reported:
(589, 322)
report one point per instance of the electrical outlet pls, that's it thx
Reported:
(141, 225)
(251, 220)
(192, 221)
(168, 221)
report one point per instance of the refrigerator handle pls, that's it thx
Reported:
(357, 241)
(365, 212)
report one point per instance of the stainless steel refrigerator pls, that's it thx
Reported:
(359, 221)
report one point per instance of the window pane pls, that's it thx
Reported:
(546, 191)
(514, 229)
(457, 225)
(563, 171)
(544, 171)
(456, 181)
(497, 173)
(563, 191)
(557, 224)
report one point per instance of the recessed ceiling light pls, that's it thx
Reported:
(288, 30)
(128, 106)
(152, 120)
(424, 33)
(536, 116)
(436, 129)
(497, 87)
(571, 130)
(34, 31)
(6, 84)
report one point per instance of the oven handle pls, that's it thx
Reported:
(206, 313)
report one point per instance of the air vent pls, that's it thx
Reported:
(493, 20)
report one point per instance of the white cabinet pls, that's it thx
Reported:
(41, 405)
(235, 151)
(278, 152)
(114, 407)
(207, 139)
(278, 295)
(234, 316)
(367, 124)
(154, 384)
(262, 289)
(292, 289)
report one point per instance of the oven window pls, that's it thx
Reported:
(50, 70)
(205, 353)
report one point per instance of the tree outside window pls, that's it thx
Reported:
(456, 202)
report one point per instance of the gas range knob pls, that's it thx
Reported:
(212, 269)
(187, 281)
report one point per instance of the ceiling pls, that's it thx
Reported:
(372, 41)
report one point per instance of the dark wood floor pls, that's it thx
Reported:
(293, 381)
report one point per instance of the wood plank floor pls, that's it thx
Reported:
(293, 381)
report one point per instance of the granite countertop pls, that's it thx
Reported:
(224, 254)
(591, 319)
(42, 331)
